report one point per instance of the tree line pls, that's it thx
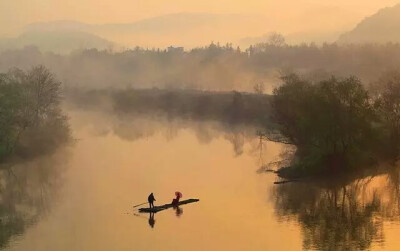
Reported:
(214, 67)
(228, 107)
(338, 124)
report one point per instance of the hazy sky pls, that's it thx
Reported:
(308, 14)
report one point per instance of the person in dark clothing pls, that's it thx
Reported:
(151, 200)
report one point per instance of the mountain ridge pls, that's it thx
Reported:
(188, 29)
(56, 41)
(380, 27)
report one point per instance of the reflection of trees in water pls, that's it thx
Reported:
(26, 193)
(260, 148)
(242, 136)
(391, 208)
(237, 139)
(337, 216)
(135, 128)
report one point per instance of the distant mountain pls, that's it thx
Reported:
(184, 29)
(382, 27)
(61, 41)
(165, 23)
(61, 25)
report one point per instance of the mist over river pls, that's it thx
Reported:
(116, 161)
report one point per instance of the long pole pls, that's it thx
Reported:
(140, 204)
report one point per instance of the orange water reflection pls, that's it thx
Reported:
(240, 209)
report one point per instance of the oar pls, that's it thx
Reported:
(140, 204)
(140, 216)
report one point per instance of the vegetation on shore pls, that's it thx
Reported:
(337, 125)
(229, 107)
(31, 120)
(32, 128)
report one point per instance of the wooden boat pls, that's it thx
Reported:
(166, 206)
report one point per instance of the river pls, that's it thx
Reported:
(117, 161)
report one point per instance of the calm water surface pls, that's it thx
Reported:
(116, 162)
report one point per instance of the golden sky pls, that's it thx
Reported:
(14, 14)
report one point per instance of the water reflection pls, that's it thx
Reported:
(27, 191)
(340, 215)
(392, 188)
(152, 221)
(178, 211)
(118, 159)
(133, 128)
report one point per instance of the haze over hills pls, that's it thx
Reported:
(199, 29)
(382, 27)
(56, 41)
(183, 29)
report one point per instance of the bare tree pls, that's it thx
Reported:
(276, 39)
(259, 88)
(45, 91)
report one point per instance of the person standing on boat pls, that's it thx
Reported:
(151, 200)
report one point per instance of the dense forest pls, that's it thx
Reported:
(338, 125)
(215, 67)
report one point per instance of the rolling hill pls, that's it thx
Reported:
(382, 27)
(61, 41)
(183, 29)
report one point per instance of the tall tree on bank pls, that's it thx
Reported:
(31, 120)
(387, 104)
(330, 121)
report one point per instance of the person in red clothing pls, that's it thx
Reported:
(176, 200)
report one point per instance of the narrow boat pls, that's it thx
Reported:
(166, 206)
